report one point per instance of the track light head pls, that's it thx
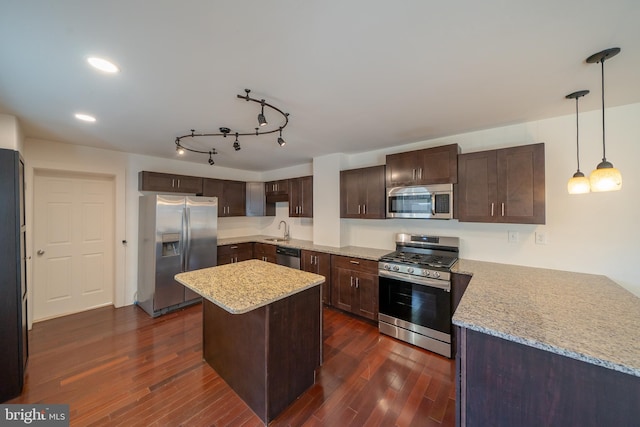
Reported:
(211, 162)
(281, 142)
(236, 144)
(262, 121)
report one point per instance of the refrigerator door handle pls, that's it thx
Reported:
(183, 241)
(187, 227)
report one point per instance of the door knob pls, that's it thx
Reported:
(40, 252)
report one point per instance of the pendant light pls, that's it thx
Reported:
(578, 184)
(605, 177)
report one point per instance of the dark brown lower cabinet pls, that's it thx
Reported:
(354, 286)
(264, 252)
(504, 383)
(228, 254)
(318, 263)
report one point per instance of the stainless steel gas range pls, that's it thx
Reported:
(415, 291)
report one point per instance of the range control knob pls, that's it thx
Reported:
(386, 267)
(410, 270)
(426, 273)
(396, 268)
(436, 274)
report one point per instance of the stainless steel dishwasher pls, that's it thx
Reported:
(288, 257)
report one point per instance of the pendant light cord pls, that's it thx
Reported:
(604, 156)
(577, 136)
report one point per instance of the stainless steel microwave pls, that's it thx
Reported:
(420, 201)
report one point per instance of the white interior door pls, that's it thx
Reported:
(74, 243)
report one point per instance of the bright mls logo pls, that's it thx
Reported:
(37, 415)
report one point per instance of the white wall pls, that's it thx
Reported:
(595, 233)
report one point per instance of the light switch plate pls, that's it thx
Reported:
(513, 237)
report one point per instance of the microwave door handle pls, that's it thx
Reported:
(433, 204)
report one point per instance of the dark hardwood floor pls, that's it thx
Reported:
(120, 367)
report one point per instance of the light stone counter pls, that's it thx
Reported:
(348, 251)
(582, 316)
(244, 286)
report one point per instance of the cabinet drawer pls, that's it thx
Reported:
(355, 264)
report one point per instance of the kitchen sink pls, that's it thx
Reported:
(276, 239)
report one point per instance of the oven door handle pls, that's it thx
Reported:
(445, 285)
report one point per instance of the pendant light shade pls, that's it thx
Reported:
(578, 184)
(605, 177)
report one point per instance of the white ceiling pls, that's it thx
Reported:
(355, 75)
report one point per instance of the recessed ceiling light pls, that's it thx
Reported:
(85, 117)
(103, 65)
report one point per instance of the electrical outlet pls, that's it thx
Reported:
(541, 238)
(513, 237)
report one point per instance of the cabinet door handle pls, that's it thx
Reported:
(178, 183)
(357, 282)
(173, 182)
(354, 262)
(491, 209)
(364, 209)
(359, 210)
(420, 173)
(502, 209)
(351, 281)
(233, 247)
(413, 174)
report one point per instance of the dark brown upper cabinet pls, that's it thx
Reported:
(232, 196)
(277, 191)
(506, 185)
(301, 197)
(362, 193)
(437, 165)
(165, 182)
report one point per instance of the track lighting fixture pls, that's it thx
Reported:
(224, 131)
(578, 184)
(605, 177)
(281, 142)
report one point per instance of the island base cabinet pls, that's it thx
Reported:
(269, 355)
(504, 383)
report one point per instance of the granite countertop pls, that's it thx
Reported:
(244, 286)
(349, 251)
(583, 316)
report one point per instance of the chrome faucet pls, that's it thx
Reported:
(286, 229)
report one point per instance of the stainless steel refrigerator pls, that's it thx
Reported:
(176, 234)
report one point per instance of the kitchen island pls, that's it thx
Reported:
(262, 330)
(546, 347)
